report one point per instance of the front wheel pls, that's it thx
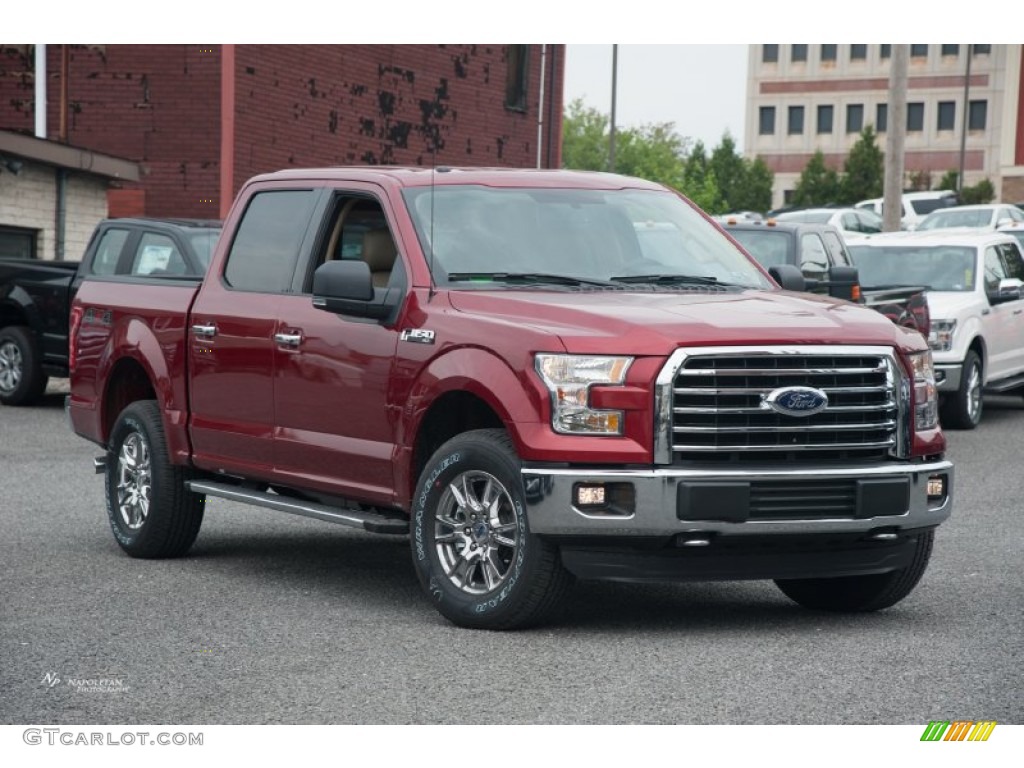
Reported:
(861, 593)
(471, 544)
(152, 513)
(962, 409)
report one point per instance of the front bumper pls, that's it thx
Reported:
(947, 376)
(697, 504)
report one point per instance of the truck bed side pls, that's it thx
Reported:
(128, 342)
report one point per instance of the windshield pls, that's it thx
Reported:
(939, 268)
(202, 242)
(948, 218)
(769, 247)
(590, 235)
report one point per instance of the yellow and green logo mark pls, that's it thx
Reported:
(958, 730)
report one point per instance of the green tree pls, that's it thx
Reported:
(982, 192)
(584, 138)
(756, 193)
(699, 183)
(653, 151)
(730, 171)
(949, 181)
(864, 169)
(818, 184)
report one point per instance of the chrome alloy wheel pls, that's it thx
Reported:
(974, 393)
(134, 481)
(476, 532)
(10, 366)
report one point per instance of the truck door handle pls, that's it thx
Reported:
(288, 339)
(204, 330)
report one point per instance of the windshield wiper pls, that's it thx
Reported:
(669, 279)
(526, 277)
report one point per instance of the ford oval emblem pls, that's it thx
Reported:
(795, 401)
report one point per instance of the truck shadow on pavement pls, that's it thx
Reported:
(376, 571)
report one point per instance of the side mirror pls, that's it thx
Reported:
(346, 288)
(1010, 289)
(788, 277)
(844, 283)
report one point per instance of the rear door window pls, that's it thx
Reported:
(108, 252)
(157, 256)
(1012, 261)
(836, 249)
(813, 257)
(266, 247)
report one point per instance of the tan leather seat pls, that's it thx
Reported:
(379, 252)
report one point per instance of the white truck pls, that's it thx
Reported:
(976, 302)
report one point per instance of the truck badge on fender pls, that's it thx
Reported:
(418, 335)
(795, 401)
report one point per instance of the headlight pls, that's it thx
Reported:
(568, 379)
(940, 337)
(926, 396)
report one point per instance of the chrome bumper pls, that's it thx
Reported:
(947, 376)
(658, 511)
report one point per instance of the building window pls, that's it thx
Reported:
(825, 118)
(854, 118)
(858, 52)
(517, 81)
(798, 53)
(828, 52)
(769, 54)
(951, 50)
(18, 243)
(796, 120)
(881, 118)
(919, 51)
(884, 51)
(915, 116)
(977, 115)
(788, 195)
(982, 49)
(947, 115)
(766, 121)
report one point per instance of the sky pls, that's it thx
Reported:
(700, 88)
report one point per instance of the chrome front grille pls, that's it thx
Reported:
(716, 411)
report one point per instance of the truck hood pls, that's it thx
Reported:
(952, 305)
(655, 323)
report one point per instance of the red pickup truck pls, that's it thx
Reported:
(521, 372)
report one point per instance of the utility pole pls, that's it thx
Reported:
(896, 133)
(611, 136)
(963, 122)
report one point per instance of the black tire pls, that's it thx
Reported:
(152, 513)
(487, 572)
(858, 594)
(962, 409)
(22, 380)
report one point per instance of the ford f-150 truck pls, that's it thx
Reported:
(36, 296)
(502, 365)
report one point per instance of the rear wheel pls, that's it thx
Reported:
(152, 513)
(22, 380)
(471, 544)
(962, 409)
(861, 593)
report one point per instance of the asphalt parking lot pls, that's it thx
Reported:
(275, 619)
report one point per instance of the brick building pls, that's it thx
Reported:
(803, 98)
(200, 120)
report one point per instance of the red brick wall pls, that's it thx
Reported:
(386, 104)
(156, 104)
(295, 106)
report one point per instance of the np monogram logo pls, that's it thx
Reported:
(795, 401)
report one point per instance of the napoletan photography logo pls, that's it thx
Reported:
(52, 680)
(958, 730)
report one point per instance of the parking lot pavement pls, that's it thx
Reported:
(271, 618)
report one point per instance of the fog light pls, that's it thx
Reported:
(590, 496)
(936, 488)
